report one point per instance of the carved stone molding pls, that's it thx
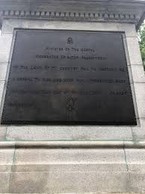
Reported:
(69, 16)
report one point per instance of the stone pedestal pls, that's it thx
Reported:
(74, 159)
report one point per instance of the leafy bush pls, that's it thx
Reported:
(142, 42)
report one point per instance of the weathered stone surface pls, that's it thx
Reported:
(3, 70)
(4, 182)
(68, 133)
(138, 73)
(139, 130)
(5, 46)
(129, 29)
(136, 160)
(1, 89)
(68, 170)
(9, 25)
(29, 182)
(89, 181)
(76, 159)
(4, 57)
(134, 51)
(117, 11)
(74, 171)
(69, 182)
(5, 42)
(6, 159)
(3, 133)
(137, 181)
(140, 94)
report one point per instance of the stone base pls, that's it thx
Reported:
(46, 168)
(80, 162)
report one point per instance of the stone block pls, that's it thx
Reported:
(4, 182)
(139, 131)
(140, 96)
(136, 182)
(87, 181)
(9, 25)
(28, 182)
(1, 89)
(4, 57)
(130, 75)
(5, 42)
(138, 74)
(135, 159)
(78, 174)
(2, 133)
(73, 133)
(66, 159)
(129, 29)
(134, 51)
(68, 182)
(3, 70)
(6, 159)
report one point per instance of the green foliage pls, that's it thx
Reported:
(142, 42)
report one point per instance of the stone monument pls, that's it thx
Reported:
(72, 95)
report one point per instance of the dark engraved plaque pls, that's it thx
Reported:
(68, 77)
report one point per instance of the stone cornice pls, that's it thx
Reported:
(69, 16)
(123, 11)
